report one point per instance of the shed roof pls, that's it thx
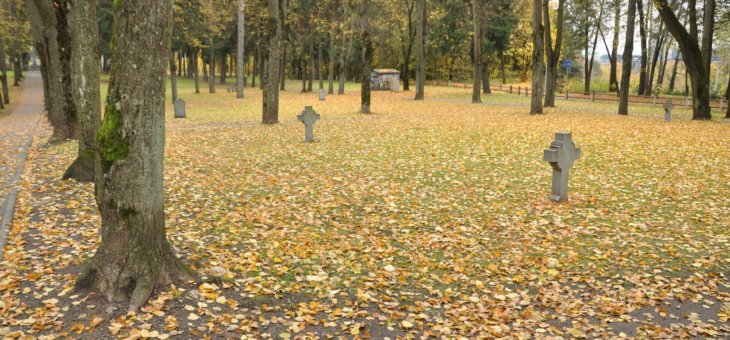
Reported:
(386, 71)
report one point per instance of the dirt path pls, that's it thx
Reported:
(16, 135)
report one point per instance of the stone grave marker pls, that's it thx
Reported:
(567, 94)
(519, 90)
(668, 107)
(308, 117)
(561, 154)
(179, 108)
(593, 96)
(321, 95)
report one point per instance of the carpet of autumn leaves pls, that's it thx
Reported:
(424, 219)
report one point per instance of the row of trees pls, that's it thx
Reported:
(14, 42)
(661, 25)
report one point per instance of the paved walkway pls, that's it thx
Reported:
(16, 135)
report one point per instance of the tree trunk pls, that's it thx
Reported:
(256, 62)
(367, 58)
(173, 76)
(654, 61)
(708, 31)
(4, 74)
(311, 66)
(240, 42)
(211, 69)
(552, 55)
(303, 67)
(420, 49)
(613, 74)
(644, 55)
(693, 60)
(727, 98)
(196, 71)
(623, 105)
(85, 69)
(270, 114)
(49, 25)
(223, 67)
(346, 52)
(331, 73)
(538, 65)
(673, 78)
(476, 95)
(17, 71)
(663, 68)
(134, 256)
(502, 66)
(320, 75)
(486, 87)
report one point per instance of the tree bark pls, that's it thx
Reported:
(331, 69)
(320, 75)
(367, 58)
(538, 65)
(311, 65)
(486, 87)
(223, 67)
(134, 256)
(211, 69)
(552, 54)
(270, 113)
(708, 31)
(644, 54)
(240, 42)
(4, 74)
(345, 54)
(420, 49)
(256, 62)
(693, 59)
(613, 74)
(476, 95)
(623, 104)
(673, 78)
(85, 70)
(282, 66)
(655, 60)
(196, 71)
(49, 25)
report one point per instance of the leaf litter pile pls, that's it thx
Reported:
(424, 219)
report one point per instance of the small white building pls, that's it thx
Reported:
(385, 79)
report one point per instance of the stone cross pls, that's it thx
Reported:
(321, 95)
(561, 155)
(308, 117)
(179, 108)
(668, 106)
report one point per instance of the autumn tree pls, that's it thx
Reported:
(270, 114)
(367, 56)
(695, 61)
(552, 53)
(538, 64)
(421, 17)
(134, 256)
(623, 105)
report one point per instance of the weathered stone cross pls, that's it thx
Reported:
(668, 106)
(561, 155)
(308, 117)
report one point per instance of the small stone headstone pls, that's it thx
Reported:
(321, 95)
(567, 94)
(561, 154)
(668, 107)
(593, 96)
(179, 108)
(308, 117)
(519, 90)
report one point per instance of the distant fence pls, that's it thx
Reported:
(593, 96)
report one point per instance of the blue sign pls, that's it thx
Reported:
(567, 63)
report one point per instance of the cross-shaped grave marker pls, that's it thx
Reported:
(668, 107)
(561, 154)
(308, 117)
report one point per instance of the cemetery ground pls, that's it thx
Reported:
(424, 218)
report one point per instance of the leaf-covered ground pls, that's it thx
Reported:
(424, 219)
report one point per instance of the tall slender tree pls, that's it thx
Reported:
(552, 54)
(240, 42)
(420, 49)
(367, 57)
(134, 256)
(270, 114)
(477, 53)
(623, 105)
(538, 64)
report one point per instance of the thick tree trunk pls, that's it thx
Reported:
(644, 54)
(4, 74)
(623, 105)
(173, 76)
(85, 69)
(270, 114)
(693, 60)
(613, 73)
(727, 98)
(538, 65)
(476, 95)
(331, 68)
(240, 41)
(420, 49)
(552, 54)
(189, 72)
(708, 31)
(367, 58)
(486, 87)
(134, 254)
(49, 25)
(17, 71)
